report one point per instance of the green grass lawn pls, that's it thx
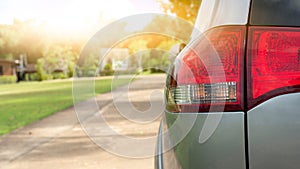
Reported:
(26, 102)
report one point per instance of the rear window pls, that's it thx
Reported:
(275, 12)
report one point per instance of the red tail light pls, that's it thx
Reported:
(273, 63)
(210, 75)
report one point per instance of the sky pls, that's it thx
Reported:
(73, 14)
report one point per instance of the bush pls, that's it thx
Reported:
(8, 79)
(59, 75)
(156, 70)
(32, 77)
(71, 67)
(41, 74)
(107, 70)
(88, 72)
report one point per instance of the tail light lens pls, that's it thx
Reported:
(209, 75)
(273, 63)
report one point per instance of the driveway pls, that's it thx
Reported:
(60, 142)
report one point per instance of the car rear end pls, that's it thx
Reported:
(238, 85)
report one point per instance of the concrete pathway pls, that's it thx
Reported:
(59, 141)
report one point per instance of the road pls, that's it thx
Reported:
(60, 142)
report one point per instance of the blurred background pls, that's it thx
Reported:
(41, 48)
(41, 40)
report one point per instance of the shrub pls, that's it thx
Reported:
(41, 74)
(108, 71)
(8, 79)
(59, 75)
(89, 72)
(32, 77)
(156, 70)
(71, 67)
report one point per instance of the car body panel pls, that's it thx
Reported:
(274, 133)
(272, 127)
(223, 149)
(226, 147)
(213, 13)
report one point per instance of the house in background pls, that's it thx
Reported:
(117, 57)
(7, 68)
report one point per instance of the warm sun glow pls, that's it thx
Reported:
(72, 16)
(83, 14)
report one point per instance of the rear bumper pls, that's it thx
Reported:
(274, 133)
(224, 149)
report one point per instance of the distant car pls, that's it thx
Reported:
(246, 67)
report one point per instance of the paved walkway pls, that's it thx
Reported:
(59, 142)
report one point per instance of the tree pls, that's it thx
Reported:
(56, 57)
(186, 9)
(30, 38)
(151, 49)
(169, 27)
(138, 48)
(9, 40)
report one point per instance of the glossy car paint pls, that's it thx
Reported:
(273, 127)
(213, 13)
(226, 147)
(274, 133)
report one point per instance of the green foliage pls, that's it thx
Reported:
(51, 52)
(9, 39)
(108, 67)
(86, 72)
(159, 60)
(137, 46)
(57, 57)
(108, 71)
(59, 75)
(8, 79)
(178, 28)
(41, 73)
(186, 9)
(71, 69)
(7, 56)
(145, 54)
(26, 37)
(156, 70)
(32, 77)
(23, 37)
(87, 66)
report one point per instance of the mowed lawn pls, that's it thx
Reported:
(26, 102)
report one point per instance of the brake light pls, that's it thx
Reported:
(273, 63)
(209, 75)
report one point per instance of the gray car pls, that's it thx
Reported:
(233, 94)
